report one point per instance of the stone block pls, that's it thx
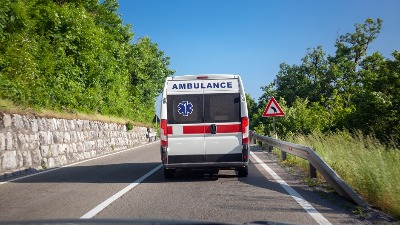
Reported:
(33, 141)
(86, 155)
(45, 137)
(22, 141)
(67, 137)
(2, 142)
(25, 123)
(45, 151)
(5, 121)
(36, 158)
(71, 125)
(40, 124)
(86, 125)
(73, 147)
(80, 147)
(62, 149)
(73, 136)
(9, 141)
(17, 122)
(53, 124)
(62, 160)
(51, 162)
(63, 125)
(79, 125)
(27, 158)
(57, 137)
(9, 160)
(34, 125)
(53, 150)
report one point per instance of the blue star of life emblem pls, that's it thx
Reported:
(185, 108)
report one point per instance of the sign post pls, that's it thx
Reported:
(273, 109)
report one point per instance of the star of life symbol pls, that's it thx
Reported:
(185, 108)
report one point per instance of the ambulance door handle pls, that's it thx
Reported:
(213, 128)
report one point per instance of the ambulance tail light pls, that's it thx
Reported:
(245, 130)
(163, 133)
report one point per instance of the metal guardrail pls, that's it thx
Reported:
(341, 187)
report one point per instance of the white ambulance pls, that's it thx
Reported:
(204, 124)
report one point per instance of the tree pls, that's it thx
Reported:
(349, 90)
(252, 111)
(148, 71)
(376, 107)
(77, 55)
(351, 48)
(290, 83)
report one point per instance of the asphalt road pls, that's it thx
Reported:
(77, 191)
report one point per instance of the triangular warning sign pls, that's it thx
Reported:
(273, 109)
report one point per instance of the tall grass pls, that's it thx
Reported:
(371, 168)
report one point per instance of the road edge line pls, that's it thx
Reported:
(318, 217)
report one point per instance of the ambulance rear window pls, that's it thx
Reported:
(219, 108)
(184, 109)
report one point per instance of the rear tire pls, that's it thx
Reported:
(242, 171)
(169, 173)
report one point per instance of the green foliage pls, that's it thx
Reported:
(148, 69)
(129, 125)
(252, 110)
(77, 56)
(303, 118)
(347, 90)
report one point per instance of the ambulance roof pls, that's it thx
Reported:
(204, 77)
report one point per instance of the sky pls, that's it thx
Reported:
(252, 38)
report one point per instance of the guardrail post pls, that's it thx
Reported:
(283, 155)
(313, 171)
(270, 148)
(253, 140)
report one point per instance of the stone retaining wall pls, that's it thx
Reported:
(29, 143)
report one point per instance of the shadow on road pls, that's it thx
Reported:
(117, 173)
(110, 173)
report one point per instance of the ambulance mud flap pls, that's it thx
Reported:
(245, 153)
(164, 155)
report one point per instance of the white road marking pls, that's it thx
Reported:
(110, 200)
(73, 164)
(320, 219)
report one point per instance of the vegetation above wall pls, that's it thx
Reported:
(77, 56)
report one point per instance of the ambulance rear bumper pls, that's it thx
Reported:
(214, 165)
(214, 161)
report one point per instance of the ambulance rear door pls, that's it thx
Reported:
(185, 117)
(222, 121)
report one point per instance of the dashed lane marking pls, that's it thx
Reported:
(119, 194)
